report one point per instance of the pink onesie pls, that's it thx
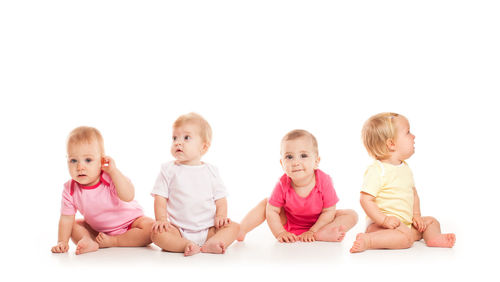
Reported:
(100, 206)
(302, 213)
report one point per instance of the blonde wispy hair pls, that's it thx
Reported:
(298, 133)
(376, 131)
(204, 126)
(85, 134)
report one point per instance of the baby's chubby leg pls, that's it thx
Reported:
(335, 231)
(172, 241)
(381, 238)
(433, 237)
(254, 218)
(83, 237)
(219, 240)
(139, 235)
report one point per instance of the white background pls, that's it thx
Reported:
(254, 70)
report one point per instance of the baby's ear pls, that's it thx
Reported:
(205, 147)
(390, 144)
(318, 159)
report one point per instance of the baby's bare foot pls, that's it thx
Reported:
(213, 248)
(330, 233)
(106, 241)
(361, 244)
(191, 249)
(443, 241)
(86, 245)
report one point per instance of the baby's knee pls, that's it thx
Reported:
(406, 240)
(428, 220)
(263, 203)
(353, 214)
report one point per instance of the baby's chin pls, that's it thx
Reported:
(85, 180)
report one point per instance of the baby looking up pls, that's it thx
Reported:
(190, 197)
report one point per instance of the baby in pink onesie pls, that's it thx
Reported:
(103, 195)
(302, 206)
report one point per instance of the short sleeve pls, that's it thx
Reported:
(162, 181)
(277, 198)
(218, 186)
(67, 205)
(329, 196)
(372, 181)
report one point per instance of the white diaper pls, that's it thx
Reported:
(199, 237)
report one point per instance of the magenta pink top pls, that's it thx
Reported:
(100, 206)
(302, 213)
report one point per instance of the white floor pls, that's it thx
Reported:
(258, 257)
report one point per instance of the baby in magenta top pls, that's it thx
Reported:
(103, 195)
(302, 206)
(302, 213)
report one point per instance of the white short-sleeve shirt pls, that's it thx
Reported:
(191, 192)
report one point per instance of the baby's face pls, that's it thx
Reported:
(187, 144)
(299, 159)
(404, 143)
(84, 163)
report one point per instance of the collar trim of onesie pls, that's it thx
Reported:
(101, 181)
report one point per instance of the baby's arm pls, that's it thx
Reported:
(418, 221)
(124, 187)
(65, 227)
(373, 212)
(161, 215)
(274, 222)
(327, 215)
(221, 219)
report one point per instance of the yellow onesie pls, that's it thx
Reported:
(392, 187)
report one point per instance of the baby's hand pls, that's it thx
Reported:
(61, 247)
(161, 226)
(391, 222)
(419, 223)
(221, 221)
(107, 164)
(307, 236)
(286, 237)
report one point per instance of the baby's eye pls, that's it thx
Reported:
(187, 137)
(174, 138)
(73, 161)
(289, 157)
(304, 156)
(88, 160)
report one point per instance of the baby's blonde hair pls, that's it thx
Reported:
(85, 134)
(205, 129)
(376, 131)
(296, 134)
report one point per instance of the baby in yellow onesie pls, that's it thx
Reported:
(388, 195)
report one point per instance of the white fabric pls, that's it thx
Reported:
(198, 237)
(191, 192)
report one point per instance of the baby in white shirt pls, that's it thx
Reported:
(190, 198)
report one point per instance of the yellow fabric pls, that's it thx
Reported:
(392, 187)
